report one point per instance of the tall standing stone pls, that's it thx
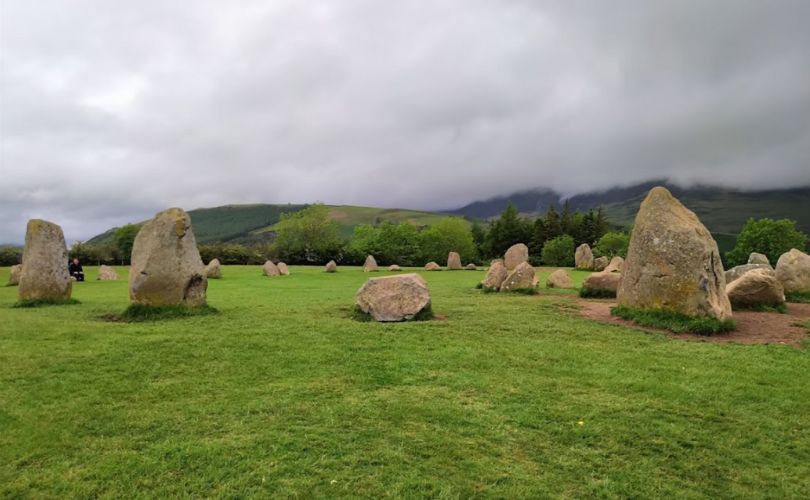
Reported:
(166, 265)
(583, 257)
(14, 275)
(496, 274)
(283, 269)
(370, 266)
(44, 274)
(515, 255)
(673, 262)
(454, 261)
(213, 270)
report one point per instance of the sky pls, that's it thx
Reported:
(113, 110)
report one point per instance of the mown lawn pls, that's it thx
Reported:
(281, 394)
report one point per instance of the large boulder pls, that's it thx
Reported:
(615, 266)
(106, 273)
(14, 275)
(515, 255)
(270, 269)
(394, 268)
(331, 267)
(758, 258)
(370, 266)
(603, 281)
(520, 278)
(737, 271)
(166, 265)
(559, 279)
(495, 276)
(583, 257)
(44, 274)
(600, 263)
(432, 266)
(393, 298)
(454, 262)
(283, 269)
(673, 262)
(213, 270)
(792, 270)
(757, 287)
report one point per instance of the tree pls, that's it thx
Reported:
(506, 231)
(538, 240)
(612, 244)
(768, 236)
(451, 234)
(479, 235)
(553, 225)
(308, 236)
(10, 256)
(567, 219)
(559, 251)
(124, 237)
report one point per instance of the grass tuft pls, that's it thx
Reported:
(44, 303)
(672, 321)
(798, 297)
(139, 312)
(596, 293)
(780, 308)
(358, 314)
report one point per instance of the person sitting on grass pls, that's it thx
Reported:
(75, 269)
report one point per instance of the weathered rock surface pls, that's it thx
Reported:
(14, 276)
(521, 278)
(559, 279)
(270, 269)
(166, 265)
(370, 266)
(432, 266)
(603, 281)
(600, 263)
(758, 258)
(213, 270)
(106, 273)
(394, 267)
(583, 257)
(331, 267)
(470, 267)
(393, 298)
(515, 255)
(496, 274)
(615, 266)
(737, 271)
(792, 270)
(454, 261)
(756, 287)
(44, 274)
(673, 262)
(283, 269)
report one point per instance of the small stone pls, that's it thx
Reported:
(394, 268)
(432, 266)
(270, 269)
(470, 267)
(283, 270)
(583, 257)
(758, 258)
(521, 278)
(600, 263)
(454, 261)
(603, 281)
(615, 266)
(213, 270)
(14, 276)
(106, 273)
(559, 279)
(370, 266)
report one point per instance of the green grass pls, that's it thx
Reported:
(798, 297)
(675, 322)
(140, 312)
(597, 293)
(779, 308)
(282, 394)
(28, 303)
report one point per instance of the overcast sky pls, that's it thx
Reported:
(113, 110)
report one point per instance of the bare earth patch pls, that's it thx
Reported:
(752, 327)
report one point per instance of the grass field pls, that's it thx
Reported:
(281, 394)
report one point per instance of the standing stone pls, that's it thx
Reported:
(393, 298)
(673, 262)
(331, 267)
(44, 274)
(559, 279)
(470, 267)
(603, 281)
(792, 270)
(394, 268)
(737, 271)
(758, 287)
(14, 276)
(615, 266)
(454, 262)
(106, 273)
(516, 255)
(166, 265)
(213, 270)
(283, 269)
(600, 263)
(270, 269)
(370, 266)
(432, 266)
(521, 278)
(496, 275)
(583, 257)
(758, 258)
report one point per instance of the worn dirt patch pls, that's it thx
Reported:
(752, 327)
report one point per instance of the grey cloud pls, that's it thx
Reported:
(110, 111)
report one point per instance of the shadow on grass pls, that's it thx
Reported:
(596, 293)
(29, 303)
(139, 313)
(674, 322)
(358, 314)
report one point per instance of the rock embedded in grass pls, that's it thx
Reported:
(601, 284)
(213, 270)
(14, 275)
(44, 275)
(515, 255)
(331, 267)
(519, 279)
(432, 266)
(283, 269)
(470, 267)
(394, 298)
(583, 257)
(270, 269)
(166, 266)
(673, 262)
(370, 266)
(792, 270)
(454, 262)
(106, 273)
(496, 274)
(559, 279)
(394, 267)
(757, 287)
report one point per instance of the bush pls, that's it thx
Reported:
(559, 251)
(612, 244)
(675, 322)
(768, 236)
(451, 234)
(10, 256)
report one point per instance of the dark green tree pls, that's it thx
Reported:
(124, 237)
(768, 236)
(559, 251)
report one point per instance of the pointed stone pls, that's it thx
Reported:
(44, 274)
